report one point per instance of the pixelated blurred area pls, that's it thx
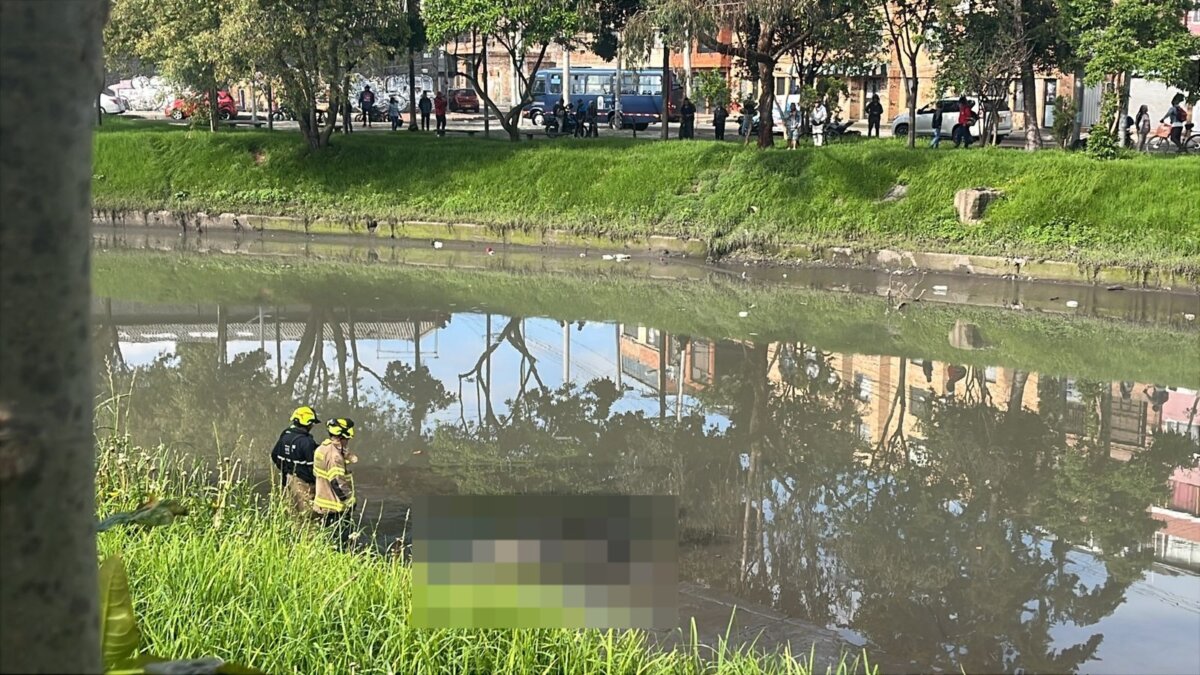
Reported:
(520, 561)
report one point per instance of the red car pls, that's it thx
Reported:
(463, 100)
(185, 107)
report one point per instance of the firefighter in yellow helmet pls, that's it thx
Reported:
(334, 498)
(293, 456)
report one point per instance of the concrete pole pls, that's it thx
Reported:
(487, 111)
(679, 379)
(566, 75)
(566, 352)
(618, 331)
(687, 67)
(617, 121)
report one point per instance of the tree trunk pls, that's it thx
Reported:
(48, 570)
(766, 105)
(213, 111)
(1033, 127)
(914, 83)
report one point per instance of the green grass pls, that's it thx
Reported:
(1051, 345)
(238, 579)
(1138, 211)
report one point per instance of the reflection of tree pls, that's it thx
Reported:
(964, 558)
(513, 335)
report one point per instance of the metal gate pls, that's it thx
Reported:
(1091, 105)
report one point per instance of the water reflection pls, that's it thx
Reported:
(988, 518)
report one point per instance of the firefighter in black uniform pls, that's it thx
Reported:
(293, 456)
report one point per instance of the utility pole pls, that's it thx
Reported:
(618, 123)
(666, 87)
(566, 352)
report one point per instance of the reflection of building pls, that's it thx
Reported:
(652, 357)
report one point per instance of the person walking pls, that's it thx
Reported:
(439, 113)
(720, 114)
(1141, 125)
(819, 117)
(333, 500)
(1177, 117)
(966, 117)
(937, 126)
(366, 103)
(593, 116)
(394, 112)
(687, 114)
(792, 125)
(874, 115)
(425, 106)
(293, 456)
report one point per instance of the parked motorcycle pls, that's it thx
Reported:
(378, 113)
(283, 114)
(838, 129)
(552, 126)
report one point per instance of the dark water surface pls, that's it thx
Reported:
(947, 515)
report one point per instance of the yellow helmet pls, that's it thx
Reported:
(305, 416)
(341, 427)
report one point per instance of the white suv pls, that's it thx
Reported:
(950, 119)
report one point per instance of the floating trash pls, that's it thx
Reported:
(743, 314)
(1072, 304)
(437, 243)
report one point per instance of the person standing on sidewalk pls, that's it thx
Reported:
(792, 124)
(366, 103)
(937, 126)
(593, 115)
(1141, 124)
(720, 114)
(874, 114)
(819, 117)
(687, 113)
(394, 112)
(425, 106)
(439, 113)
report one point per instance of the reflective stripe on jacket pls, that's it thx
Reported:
(335, 486)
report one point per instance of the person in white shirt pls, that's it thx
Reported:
(819, 117)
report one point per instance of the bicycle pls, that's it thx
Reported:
(1160, 139)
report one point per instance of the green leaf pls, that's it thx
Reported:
(119, 632)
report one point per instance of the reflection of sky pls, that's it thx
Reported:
(454, 350)
(1160, 615)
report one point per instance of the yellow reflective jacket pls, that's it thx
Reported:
(335, 486)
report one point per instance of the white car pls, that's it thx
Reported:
(112, 104)
(950, 119)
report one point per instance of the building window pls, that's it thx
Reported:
(1194, 17)
(701, 357)
(920, 402)
(864, 386)
(652, 338)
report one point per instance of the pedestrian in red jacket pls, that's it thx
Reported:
(439, 112)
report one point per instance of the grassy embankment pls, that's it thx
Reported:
(238, 580)
(1052, 345)
(1139, 212)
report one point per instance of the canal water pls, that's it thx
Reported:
(1016, 490)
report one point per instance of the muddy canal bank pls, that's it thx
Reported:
(1017, 267)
